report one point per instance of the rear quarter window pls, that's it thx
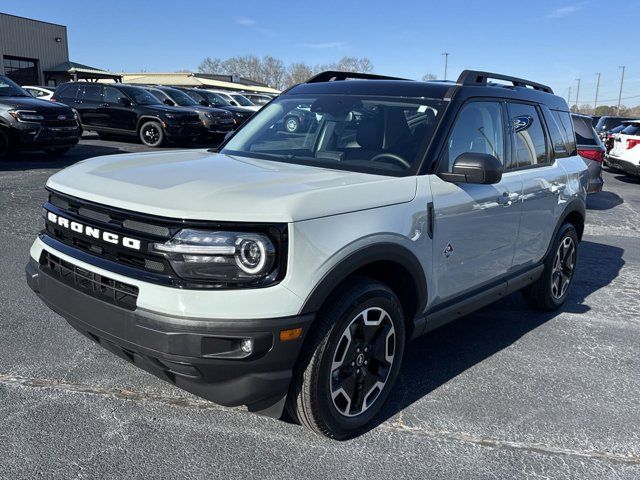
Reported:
(67, 91)
(563, 119)
(585, 135)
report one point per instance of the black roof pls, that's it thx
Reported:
(469, 84)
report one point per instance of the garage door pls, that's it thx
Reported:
(23, 71)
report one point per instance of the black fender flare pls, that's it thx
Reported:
(384, 251)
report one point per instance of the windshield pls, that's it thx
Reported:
(361, 133)
(243, 101)
(180, 98)
(140, 96)
(8, 88)
(214, 99)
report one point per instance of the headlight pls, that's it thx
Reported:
(172, 115)
(230, 257)
(26, 115)
(208, 115)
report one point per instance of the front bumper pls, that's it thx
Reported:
(33, 135)
(176, 130)
(201, 356)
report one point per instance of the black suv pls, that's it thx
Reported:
(29, 123)
(129, 110)
(215, 121)
(212, 99)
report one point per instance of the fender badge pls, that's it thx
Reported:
(448, 250)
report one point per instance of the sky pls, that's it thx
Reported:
(551, 42)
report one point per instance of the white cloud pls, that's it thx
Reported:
(245, 21)
(323, 46)
(564, 11)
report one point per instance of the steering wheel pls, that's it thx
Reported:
(391, 156)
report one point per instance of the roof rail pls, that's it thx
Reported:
(473, 77)
(333, 75)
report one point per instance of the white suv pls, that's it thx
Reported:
(292, 268)
(625, 154)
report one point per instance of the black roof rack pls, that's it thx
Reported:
(333, 75)
(473, 77)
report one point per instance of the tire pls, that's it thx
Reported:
(151, 134)
(550, 291)
(317, 398)
(57, 151)
(291, 124)
(6, 145)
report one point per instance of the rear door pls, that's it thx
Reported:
(475, 226)
(543, 181)
(117, 114)
(87, 103)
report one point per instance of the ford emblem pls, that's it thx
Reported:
(62, 117)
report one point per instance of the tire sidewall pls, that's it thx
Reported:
(158, 126)
(339, 424)
(566, 230)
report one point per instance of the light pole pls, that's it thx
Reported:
(446, 62)
(595, 102)
(578, 96)
(569, 98)
(620, 94)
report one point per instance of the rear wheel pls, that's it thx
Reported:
(550, 291)
(350, 362)
(5, 144)
(151, 134)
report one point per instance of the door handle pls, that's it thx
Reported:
(556, 188)
(508, 198)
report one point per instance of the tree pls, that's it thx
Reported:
(298, 73)
(273, 72)
(211, 65)
(429, 76)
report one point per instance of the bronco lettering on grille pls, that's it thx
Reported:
(93, 232)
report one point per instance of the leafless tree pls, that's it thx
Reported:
(298, 73)
(429, 76)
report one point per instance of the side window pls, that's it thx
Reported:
(92, 93)
(112, 95)
(479, 128)
(559, 139)
(529, 141)
(564, 120)
(585, 135)
(68, 91)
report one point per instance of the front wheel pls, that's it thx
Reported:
(350, 361)
(550, 291)
(151, 134)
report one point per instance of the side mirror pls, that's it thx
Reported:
(204, 103)
(472, 167)
(168, 101)
(125, 102)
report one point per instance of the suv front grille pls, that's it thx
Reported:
(56, 120)
(104, 288)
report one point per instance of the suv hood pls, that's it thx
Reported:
(34, 104)
(199, 185)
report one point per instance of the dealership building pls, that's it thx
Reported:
(37, 53)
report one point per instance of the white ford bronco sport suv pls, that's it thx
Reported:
(290, 269)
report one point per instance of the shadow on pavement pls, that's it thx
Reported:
(431, 361)
(627, 178)
(35, 160)
(603, 200)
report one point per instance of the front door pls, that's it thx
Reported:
(476, 226)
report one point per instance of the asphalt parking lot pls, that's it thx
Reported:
(503, 393)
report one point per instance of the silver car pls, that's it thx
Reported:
(591, 149)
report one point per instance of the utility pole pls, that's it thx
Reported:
(578, 96)
(595, 102)
(446, 62)
(620, 94)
